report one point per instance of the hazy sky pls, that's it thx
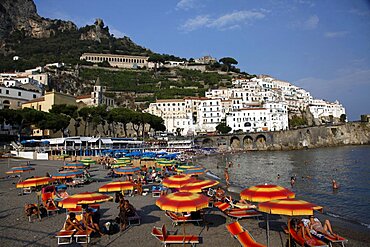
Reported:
(322, 46)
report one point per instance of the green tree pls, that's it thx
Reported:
(54, 122)
(70, 111)
(228, 61)
(223, 128)
(86, 115)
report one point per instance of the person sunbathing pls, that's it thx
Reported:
(72, 223)
(315, 227)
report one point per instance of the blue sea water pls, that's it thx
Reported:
(314, 170)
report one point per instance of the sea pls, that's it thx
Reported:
(314, 170)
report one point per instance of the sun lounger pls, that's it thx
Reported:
(134, 220)
(83, 236)
(181, 219)
(156, 190)
(242, 235)
(307, 241)
(165, 239)
(331, 239)
(65, 236)
(237, 213)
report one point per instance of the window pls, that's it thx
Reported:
(34, 96)
(19, 94)
(6, 91)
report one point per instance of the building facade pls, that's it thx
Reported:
(13, 96)
(46, 102)
(120, 61)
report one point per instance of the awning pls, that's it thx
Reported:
(106, 141)
(95, 139)
(56, 141)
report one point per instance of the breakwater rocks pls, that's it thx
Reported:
(353, 133)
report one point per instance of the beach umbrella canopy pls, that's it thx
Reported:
(177, 181)
(128, 170)
(34, 182)
(88, 161)
(84, 198)
(74, 166)
(124, 159)
(289, 207)
(67, 174)
(20, 169)
(198, 185)
(182, 202)
(116, 165)
(165, 162)
(117, 186)
(265, 192)
(195, 171)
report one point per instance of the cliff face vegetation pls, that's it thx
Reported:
(38, 41)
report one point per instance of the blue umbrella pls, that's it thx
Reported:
(127, 170)
(67, 174)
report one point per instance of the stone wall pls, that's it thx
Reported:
(354, 133)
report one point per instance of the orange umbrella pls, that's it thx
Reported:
(34, 182)
(177, 181)
(182, 202)
(265, 192)
(288, 206)
(117, 186)
(198, 185)
(83, 198)
(20, 169)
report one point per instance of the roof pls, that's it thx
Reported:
(169, 100)
(35, 100)
(252, 109)
(84, 96)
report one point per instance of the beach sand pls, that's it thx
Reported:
(15, 230)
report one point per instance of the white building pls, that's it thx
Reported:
(323, 110)
(13, 96)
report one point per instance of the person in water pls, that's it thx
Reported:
(335, 185)
(227, 177)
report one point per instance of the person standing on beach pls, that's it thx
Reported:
(227, 177)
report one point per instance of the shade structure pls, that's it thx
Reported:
(124, 159)
(185, 167)
(128, 170)
(198, 186)
(74, 166)
(34, 182)
(117, 165)
(20, 169)
(265, 192)
(290, 207)
(182, 202)
(88, 161)
(177, 181)
(67, 174)
(165, 162)
(195, 171)
(83, 198)
(117, 186)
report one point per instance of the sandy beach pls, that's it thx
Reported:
(15, 230)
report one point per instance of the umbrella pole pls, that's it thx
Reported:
(267, 230)
(289, 231)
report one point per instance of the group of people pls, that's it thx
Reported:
(313, 226)
(126, 210)
(87, 222)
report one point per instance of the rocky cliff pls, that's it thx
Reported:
(21, 15)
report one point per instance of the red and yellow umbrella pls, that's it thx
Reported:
(83, 198)
(20, 169)
(290, 207)
(117, 186)
(177, 181)
(265, 192)
(198, 185)
(34, 182)
(182, 202)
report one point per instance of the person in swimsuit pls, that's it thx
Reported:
(89, 223)
(316, 226)
(72, 223)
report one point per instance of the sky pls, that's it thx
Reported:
(322, 46)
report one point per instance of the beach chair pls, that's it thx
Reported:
(335, 240)
(309, 241)
(246, 239)
(134, 220)
(166, 239)
(237, 213)
(65, 236)
(83, 237)
(156, 190)
(48, 201)
(182, 219)
(235, 228)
